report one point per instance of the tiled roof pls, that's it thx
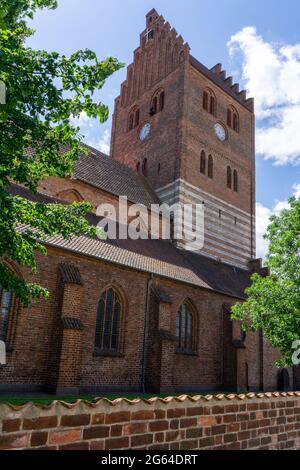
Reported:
(107, 174)
(101, 171)
(159, 257)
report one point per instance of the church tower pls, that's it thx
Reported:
(191, 132)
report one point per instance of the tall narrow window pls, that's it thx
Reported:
(133, 119)
(235, 181)
(203, 162)
(5, 307)
(233, 119)
(137, 118)
(205, 100)
(209, 102)
(212, 106)
(186, 329)
(229, 117)
(154, 105)
(157, 102)
(235, 122)
(229, 177)
(144, 167)
(138, 167)
(130, 121)
(107, 335)
(210, 169)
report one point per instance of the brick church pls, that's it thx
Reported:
(151, 315)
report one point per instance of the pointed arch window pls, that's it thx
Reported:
(203, 162)
(233, 120)
(157, 102)
(108, 324)
(186, 329)
(133, 119)
(229, 177)
(210, 169)
(209, 102)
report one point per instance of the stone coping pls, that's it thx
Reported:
(183, 399)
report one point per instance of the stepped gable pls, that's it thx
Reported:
(160, 52)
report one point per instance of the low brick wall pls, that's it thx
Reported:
(252, 421)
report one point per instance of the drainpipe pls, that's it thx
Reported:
(146, 326)
(261, 360)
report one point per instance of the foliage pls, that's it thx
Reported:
(273, 302)
(45, 91)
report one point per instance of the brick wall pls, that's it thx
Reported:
(253, 421)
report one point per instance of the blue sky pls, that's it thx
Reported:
(263, 55)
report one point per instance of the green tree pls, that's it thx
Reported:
(45, 90)
(273, 302)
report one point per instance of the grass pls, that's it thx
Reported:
(46, 399)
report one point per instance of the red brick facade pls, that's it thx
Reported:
(45, 354)
(262, 422)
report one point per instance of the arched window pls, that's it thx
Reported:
(233, 119)
(144, 167)
(130, 121)
(186, 329)
(203, 162)
(210, 168)
(212, 105)
(153, 109)
(229, 177)
(70, 195)
(133, 119)
(138, 167)
(157, 102)
(209, 102)
(108, 324)
(6, 301)
(235, 181)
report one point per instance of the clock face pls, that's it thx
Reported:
(145, 131)
(220, 132)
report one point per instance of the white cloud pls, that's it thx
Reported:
(89, 127)
(263, 215)
(103, 144)
(272, 75)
